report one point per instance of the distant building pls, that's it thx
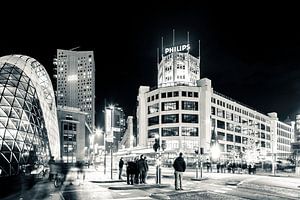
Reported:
(74, 134)
(76, 81)
(187, 113)
(115, 126)
(28, 118)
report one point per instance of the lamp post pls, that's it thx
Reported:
(157, 146)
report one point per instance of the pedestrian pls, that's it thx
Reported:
(179, 167)
(130, 172)
(79, 165)
(142, 169)
(51, 164)
(121, 163)
(147, 169)
(218, 167)
(137, 172)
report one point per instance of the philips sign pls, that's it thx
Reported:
(184, 47)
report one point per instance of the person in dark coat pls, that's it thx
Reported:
(147, 169)
(137, 171)
(130, 171)
(121, 163)
(142, 169)
(179, 166)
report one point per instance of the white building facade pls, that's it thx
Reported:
(187, 113)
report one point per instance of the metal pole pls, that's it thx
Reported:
(111, 161)
(104, 154)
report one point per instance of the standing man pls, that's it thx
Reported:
(121, 163)
(179, 166)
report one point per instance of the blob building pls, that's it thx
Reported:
(28, 117)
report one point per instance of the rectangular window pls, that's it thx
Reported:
(229, 116)
(229, 148)
(183, 93)
(230, 126)
(176, 94)
(174, 118)
(262, 127)
(153, 121)
(189, 131)
(220, 113)
(172, 105)
(189, 105)
(152, 98)
(213, 110)
(153, 108)
(169, 94)
(153, 132)
(220, 124)
(229, 137)
(190, 94)
(148, 99)
(163, 95)
(66, 127)
(156, 96)
(187, 118)
(237, 129)
(195, 94)
(171, 131)
(221, 136)
(238, 139)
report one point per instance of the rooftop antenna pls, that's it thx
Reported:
(162, 47)
(174, 74)
(74, 48)
(173, 37)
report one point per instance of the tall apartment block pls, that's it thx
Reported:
(76, 82)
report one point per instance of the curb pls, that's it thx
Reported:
(132, 187)
(233, 183)
(109, 181)
(199, 179)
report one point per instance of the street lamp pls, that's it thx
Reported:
(157, 146)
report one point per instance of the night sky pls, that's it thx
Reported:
(251, 54)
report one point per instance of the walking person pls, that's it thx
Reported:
(121, 163)
(179, 167)
(52, 171)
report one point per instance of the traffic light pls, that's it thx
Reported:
(156, 144)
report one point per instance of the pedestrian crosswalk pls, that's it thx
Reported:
(224, 189)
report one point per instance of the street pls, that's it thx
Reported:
(217, 186)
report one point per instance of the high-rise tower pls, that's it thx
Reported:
(76, 81)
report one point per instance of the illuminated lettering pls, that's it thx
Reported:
(184, 47)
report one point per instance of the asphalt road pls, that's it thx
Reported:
(217, 186)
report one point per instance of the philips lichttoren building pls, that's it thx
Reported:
(187, 113)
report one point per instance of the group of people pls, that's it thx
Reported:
(232, 167)
(136, 170)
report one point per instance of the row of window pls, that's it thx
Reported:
(173, 94)
(173, 131)
(237, 109)
(281, 126)
(284, 134)
(236, 118)
(173, 105)
(173, 118)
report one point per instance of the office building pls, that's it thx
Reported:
(75, 134)
(187, 113)
(76, 81)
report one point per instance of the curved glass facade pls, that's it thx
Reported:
(28, 120)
